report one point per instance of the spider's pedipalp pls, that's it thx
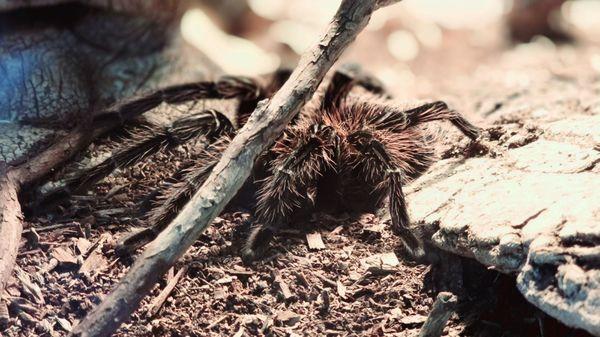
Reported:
(173, 197)
(296, 168)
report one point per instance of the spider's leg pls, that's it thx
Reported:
(293, 171)
(342, 82)
(225, 87)
(274, 83)
(388, 174)
(144, 142)
(398, 119)
(173, 197)
(279, 77)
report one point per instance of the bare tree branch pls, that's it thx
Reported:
(10, 226)
(264, 126)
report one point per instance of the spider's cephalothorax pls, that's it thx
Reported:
(349, 152)
(343, 152)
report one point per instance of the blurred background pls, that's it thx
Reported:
(436, 39)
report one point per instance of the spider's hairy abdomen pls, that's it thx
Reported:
(355, 181)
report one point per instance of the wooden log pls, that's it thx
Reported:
(11, 226)
(264, 126)
(443, 308)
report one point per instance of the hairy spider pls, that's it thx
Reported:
(343, 152)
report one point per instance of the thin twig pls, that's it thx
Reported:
(164, 294)
(264, 126)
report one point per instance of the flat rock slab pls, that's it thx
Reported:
(531, 206)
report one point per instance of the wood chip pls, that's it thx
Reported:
(381, 261)
(64, 256)
(287, 318)
(390, 259)
(375, 228)
(315, 241)
(396, 313)
(95, 263)
(283, 287)
(48, 267)
(64, 324)
(326, 281)
(46, 327)
(157, 303)
(336, 231)
(83, 245)
(217, 321)
(30, 289)
(302, 279)
(413, 320)
(240, 272)
(219, 293)
(27, 318)
(341, 289)
(19, 304)
(224, 280)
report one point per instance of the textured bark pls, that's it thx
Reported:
(264, 126)
(10, 226)
(443, 307)
(531, 207)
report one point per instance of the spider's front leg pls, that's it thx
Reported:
(387, 173)
(293, 171)
(143, 143)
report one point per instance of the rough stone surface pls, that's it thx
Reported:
(531, 205)
(52, 71)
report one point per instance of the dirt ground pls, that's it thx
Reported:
(358, 284)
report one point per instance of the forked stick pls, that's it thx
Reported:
(264, 126)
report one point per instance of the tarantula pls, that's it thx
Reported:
(343, 151)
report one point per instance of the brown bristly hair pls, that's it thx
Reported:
(174, 196)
